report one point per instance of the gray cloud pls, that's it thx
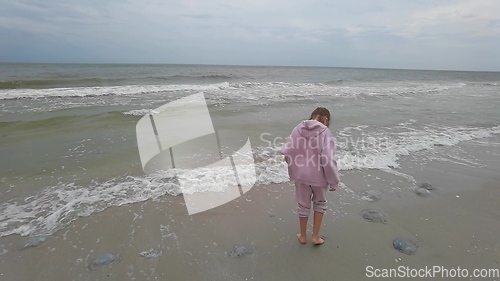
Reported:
(329, 33)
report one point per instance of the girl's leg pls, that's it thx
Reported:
(303, 197)
(302, 236)
(319, 200)
(315, 239)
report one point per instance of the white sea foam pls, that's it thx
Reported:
(57, 206)
(279, 90)
(382, 150)
(128, 90)
(250, 91)
(141, 97)
(141, 112)
(271, 92)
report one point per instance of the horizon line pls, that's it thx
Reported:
(244, 65)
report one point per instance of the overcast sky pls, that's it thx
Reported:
(417, 34)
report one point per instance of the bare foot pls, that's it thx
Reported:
(302, 240)
(317, 240)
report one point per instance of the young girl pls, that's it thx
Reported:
(309, 153)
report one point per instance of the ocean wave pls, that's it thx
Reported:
(490, 84)
(54, 83)
(407, 90)
(104, 91)
(140, 112)
(71, 82)
(195, 77)
(57, 206)
(335, 82)
(382, 150)
(279, 90)
(235, 91)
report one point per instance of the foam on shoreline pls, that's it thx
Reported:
(55, 207)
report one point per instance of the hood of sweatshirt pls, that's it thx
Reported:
(311, 128)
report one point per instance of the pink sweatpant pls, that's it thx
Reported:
(304, 193)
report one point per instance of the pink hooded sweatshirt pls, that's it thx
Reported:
(310, 155)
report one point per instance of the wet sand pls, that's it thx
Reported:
(456, 225)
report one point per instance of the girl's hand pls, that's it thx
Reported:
(332, 188)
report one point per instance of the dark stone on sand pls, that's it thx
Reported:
(404, 246)
(240, 250)
(104, 259)
(35, 241)
(374, 216)
(427, 186)
(423, 192)
(371, 195)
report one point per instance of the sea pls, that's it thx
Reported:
(68, 132)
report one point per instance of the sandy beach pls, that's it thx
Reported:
(158, 240)
(71, 169)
